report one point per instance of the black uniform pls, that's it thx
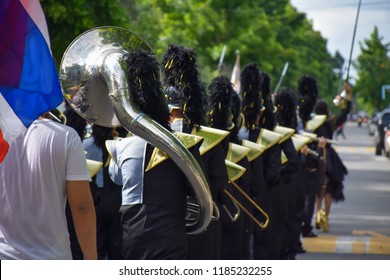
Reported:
(335, 170)
(154, 202)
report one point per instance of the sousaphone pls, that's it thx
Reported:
(93, 81)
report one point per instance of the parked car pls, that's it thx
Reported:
(382, 123)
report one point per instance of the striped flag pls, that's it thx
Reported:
(29, 84)
(235, 79)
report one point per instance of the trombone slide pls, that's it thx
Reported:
(260, 224)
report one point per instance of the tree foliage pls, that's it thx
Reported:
(373, 65)
(269, 33)
(68, 19)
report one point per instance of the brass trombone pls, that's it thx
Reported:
(260, 224)
(235, 171)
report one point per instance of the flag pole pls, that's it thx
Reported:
(281, 77)
(235, 77)
(221, 59)
(353, 41)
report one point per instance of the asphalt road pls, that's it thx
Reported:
(359, 226)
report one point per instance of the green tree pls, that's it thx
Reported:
(269, 33)
(373, 66)
(68, 19)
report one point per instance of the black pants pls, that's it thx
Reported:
(152, 232)
(108, 227)
(206, 245)
(262, 237)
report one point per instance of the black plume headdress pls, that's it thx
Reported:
(236, 106)
(252, 101)
(180, 72)
(308, 93)
(267, 119)
(286, 105)
(145, 87)
(220, 96)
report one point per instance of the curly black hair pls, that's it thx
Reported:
(267, 119)
(286, 104)
(100, 134)
(220, 98)
(180, 71)
(237, 117)
(250, 94)
(75, 121)
(143, 79)
(308, 93)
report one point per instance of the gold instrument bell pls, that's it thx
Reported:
(212, 137)
(315, 122)
(286, 132)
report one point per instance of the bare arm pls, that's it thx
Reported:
(84, 217)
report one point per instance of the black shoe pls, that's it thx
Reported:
(310, 234)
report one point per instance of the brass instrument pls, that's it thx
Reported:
(93, 81)
(235, 171)
(192, 214)
(314, 137)
(300, 140)
(339, 99)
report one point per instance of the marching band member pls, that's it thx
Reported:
(107, 195)
(221, 116)
(258, 121)
(335, 170)
(188, 102)
(308, 93)
(153, 200)
(284, 144)
(286, 117)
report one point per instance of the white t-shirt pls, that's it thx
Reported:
(33, 191)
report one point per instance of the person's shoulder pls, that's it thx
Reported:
(59, 128)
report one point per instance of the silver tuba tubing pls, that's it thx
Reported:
(94, 66)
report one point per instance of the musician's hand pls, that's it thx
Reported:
(304, 150)
(347, 89)
(321, 142)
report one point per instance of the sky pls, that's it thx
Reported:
(335, 20)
